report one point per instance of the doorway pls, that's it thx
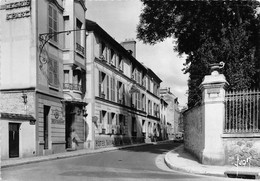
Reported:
(14, 140)
(46, 111)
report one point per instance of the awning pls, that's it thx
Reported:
(75, 102)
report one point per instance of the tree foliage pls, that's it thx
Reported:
(207, 32)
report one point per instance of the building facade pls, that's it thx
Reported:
(122, 94)
(173, 112)
(66, 84)
(35, 93)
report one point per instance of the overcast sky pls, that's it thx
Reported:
(119, 18)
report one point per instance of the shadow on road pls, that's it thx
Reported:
(159, 148)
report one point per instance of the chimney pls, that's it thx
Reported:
(130, 46)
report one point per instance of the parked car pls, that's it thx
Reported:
(179, 137)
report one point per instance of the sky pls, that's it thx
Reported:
(119, 18)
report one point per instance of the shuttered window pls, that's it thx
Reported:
(53, 22)
(53, 72)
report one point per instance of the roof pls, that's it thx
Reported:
(153, 75)
(93, 26)
(17, 116)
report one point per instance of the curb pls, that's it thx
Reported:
(37, 159)
(188, 169)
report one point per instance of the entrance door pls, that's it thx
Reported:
(46, 111)
(13, 140)
(68, 129)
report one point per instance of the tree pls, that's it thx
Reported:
(208, 32)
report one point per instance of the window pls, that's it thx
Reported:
(133, 99)
(120, 63)
(143, 102)
(78, 33)
(66, 76)
(112, 57)
(154, 109)
(138, 100)
(76, 77)
(103, 50)
(53, 22)
(103, 85)
(102, 116)
(53, 72)
(122, 123)
(112, 89)
(138, 77)
(149, 107)
(107, 86)
(102, 76)
(149, 84)
(144, 81)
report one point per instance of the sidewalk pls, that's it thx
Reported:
(180, 160)
(21, 161)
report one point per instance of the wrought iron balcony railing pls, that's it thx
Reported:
(80, 49)
(70, 86)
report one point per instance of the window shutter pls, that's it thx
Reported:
(117, 119)
(55, 73)
(109, 118)
(100, 82)
(111, 84)
(100, 117)
(107, 87)
(50, 71)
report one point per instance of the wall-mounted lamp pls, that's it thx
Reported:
(24, 96)
(85, 114)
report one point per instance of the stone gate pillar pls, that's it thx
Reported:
(213, 109)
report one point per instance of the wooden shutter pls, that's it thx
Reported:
(50, 72)
(107, 87)
(56, 73)
(100, 82)
(100, 117)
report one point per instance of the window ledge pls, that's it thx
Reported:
(53, 88)
(54, 44)
(241, 135)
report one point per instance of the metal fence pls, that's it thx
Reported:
(242, 111)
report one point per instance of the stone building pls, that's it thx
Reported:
(35, 52)
(122, 94)
(66, 84)
(173, 112)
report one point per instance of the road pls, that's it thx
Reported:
(137, 163)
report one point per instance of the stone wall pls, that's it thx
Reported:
(12, 102)
(242, 151)
(193, 136)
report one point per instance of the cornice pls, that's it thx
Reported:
(55, 2)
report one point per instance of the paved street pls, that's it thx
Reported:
(138, 163)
